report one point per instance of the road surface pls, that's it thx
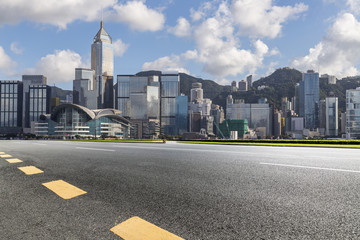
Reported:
(190, 190)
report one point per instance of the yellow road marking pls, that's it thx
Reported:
(30, 170)
(5, 156)
(13, 160)
(64, 189)
(2, 153)
(136, 228)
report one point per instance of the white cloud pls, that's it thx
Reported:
(218, 47)
(199, 14)
(354, 5)
(138, 16)
(216, 31)
(7, 65)
(60, 13)
(182, 28)
(119, 47)
(14, 47)
(260, 18)
(339, 51)
(58, 67)
(172, 63)
(54, 12)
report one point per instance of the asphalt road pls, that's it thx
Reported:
(193, 191)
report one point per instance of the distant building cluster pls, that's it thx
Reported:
(151, 106)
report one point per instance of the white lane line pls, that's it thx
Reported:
(309, 167)
(96, 149)
(185, 149)
(42, 144)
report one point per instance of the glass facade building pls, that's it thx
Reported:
(102, 62)
(39, 102)
(181, 119)
(332, 121)
(10, 106)
(169, 89)
(309, 99)
(28, 80)
(257, 115)
(353, 113)
(84, 87)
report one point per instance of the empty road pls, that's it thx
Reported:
(192, 191)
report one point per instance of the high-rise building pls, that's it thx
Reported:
(322, 114)
(257, 115)
(11, 93)
(138, 99)
(309, 99)
(143, 97)
(199, 112)
(102, 62)
(181, 119)
(330, 79)
(277, 124)
(243, 86)
(169, 90)
(196, 92)
(353, 113)
(249, 80)
(39, 102)
(332, 116)
(28, 81)
(84, 86)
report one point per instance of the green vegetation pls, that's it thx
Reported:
(282, 142)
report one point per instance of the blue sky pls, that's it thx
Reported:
(218, 40)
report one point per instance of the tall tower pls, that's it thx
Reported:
(102, 62)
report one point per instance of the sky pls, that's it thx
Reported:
(218, 40)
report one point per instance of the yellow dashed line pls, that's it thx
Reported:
(13, 160)
(30, 170)
(136, 228)
(64, 189)
(5, 156)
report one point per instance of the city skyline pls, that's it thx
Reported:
(220, 40)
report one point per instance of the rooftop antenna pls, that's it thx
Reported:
(102, 17)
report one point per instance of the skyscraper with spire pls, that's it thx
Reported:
(102, 62)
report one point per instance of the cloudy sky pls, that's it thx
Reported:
(219, 40)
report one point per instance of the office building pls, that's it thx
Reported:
(249, 80)
(322, 114)
(309, 99)
(233, 86)
(330, 79)
(138, 99)
(196, 92)
(332, 116)
(169, 90)
(353, 113)
(229, 126)
(181, 115)
(31, 80)
(257, 115)
(277, 124)
(84, 86)
(150, 97)
(243, 86)
(199, 112)
(219, 116)
(11, 94)
(39, 103)
(102, 62)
